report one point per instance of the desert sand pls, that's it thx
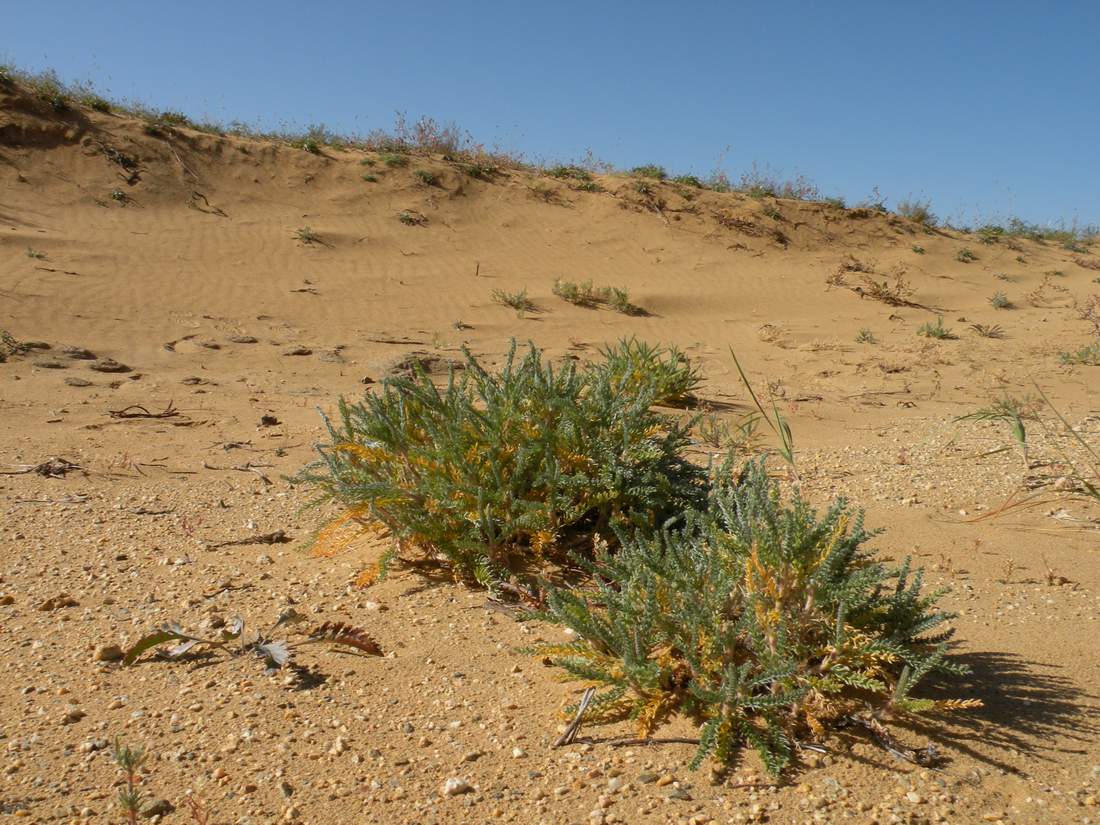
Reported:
(189, 272)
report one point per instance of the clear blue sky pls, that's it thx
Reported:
(988, 109)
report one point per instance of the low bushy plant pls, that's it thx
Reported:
(936, 330)
(499, 468)
(633, 366)
(919, 211)
(759, 620)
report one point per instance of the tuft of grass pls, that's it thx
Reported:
(587, 186)
(509, 467)
(1088, 355)
(998, 300)
(37, 254)
(312, 146)
(306, 235)
(516, 300)
(918, 211)
(586, 295)
(835, 202)
(918, 249)
(370, 178)
(865, 336)
(988, 330)
(1013, 412)
(965, 256)
(762, 622)
(936, 330)
(427, 177)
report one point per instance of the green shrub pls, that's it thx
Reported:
(496, 469)
(588, 186)
(1088, 356)
(865, 336)
(688, 180)
(650, 171)
(758, 620)
(574, 172)
(427, 177)
(393, 160)
(1000, 301)
(965, 256)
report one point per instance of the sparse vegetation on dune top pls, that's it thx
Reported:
(426, 136)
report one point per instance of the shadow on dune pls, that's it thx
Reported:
(1029, 707)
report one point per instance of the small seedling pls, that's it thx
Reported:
(965, 256)
(1002, 276)
(1020, 259)
(370, 178)
(234, 642)
(118, 196)
(516, 300)
(129, 760)
(918, 249)
(643, 187)
(772, 212)
(936, 330)
(1000, 301)
(865, 336)
(37, 254)
(306, 235)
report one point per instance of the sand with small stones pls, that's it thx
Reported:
(187, 272)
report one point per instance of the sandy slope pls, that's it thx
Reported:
(200, 249)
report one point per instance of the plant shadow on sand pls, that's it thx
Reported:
(1029, 709)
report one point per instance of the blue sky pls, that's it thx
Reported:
(987, 109)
